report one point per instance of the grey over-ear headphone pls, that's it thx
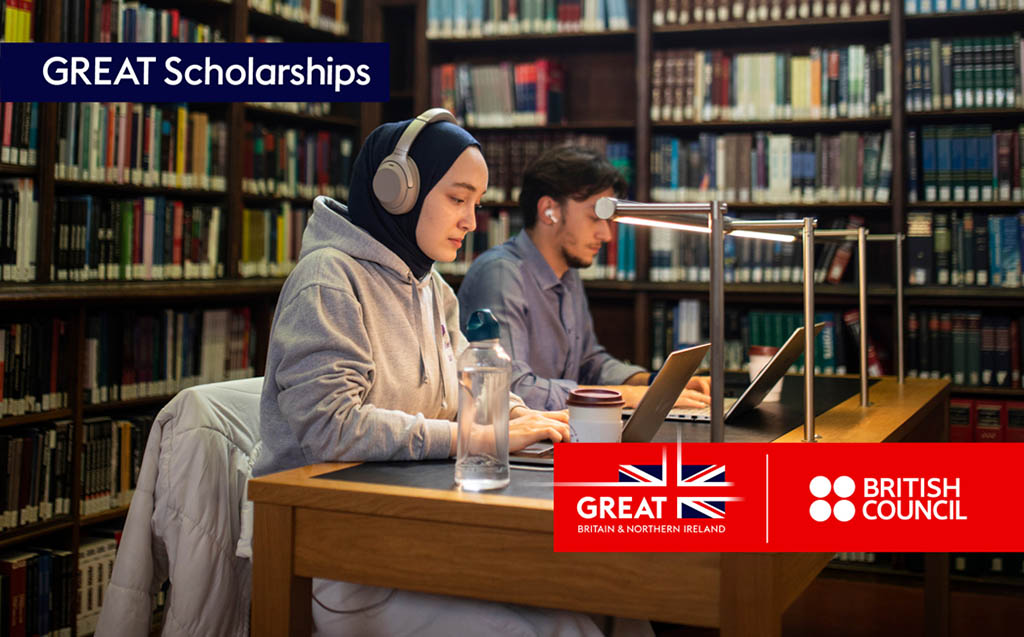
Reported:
(396, 184)
(550, 214)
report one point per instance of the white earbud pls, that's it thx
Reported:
(550, 214)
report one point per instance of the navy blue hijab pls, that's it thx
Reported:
(434, 150)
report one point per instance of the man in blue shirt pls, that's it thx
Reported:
(533, 286)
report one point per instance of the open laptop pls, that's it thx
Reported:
(647, 418)
(757, 390)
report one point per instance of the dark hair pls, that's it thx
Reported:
(565, 172)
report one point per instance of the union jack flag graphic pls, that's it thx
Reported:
(702, 475)
(652, 474)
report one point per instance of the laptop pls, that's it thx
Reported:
(644, 421)
(757, 390)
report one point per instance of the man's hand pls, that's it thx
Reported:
(700, 384)
(691, 399)
(528, 426)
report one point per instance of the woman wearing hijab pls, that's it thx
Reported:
(361, 366)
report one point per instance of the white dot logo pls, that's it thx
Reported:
(821, 487)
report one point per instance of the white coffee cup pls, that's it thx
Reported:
(595, 415)
(759, 357)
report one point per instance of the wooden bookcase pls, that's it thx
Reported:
(610, 91)
(75, 301)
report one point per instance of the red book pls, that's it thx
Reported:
(961, 425)
(14, 566)
(1014, 421)
(989, 421)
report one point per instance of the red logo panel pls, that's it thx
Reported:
(788, 497)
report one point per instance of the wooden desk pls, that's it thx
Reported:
(385, 535)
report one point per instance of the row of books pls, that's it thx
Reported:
(19, 230)
(325, 15)
(38, 588)
(922, 7)
(36, 466)
(140, 354)
(965, 163)
(141, 239)
(19, 133)
(615, 261)
(17, 21)
(826, 83)
(19, 122)
(288, 162)
(118, 21)
(683, 256)
(493, 228)
(965, 248)
(963, 73)
(987, 421)
(112, 450)
(669, 12)
(35, 366)
(480, 18)
(272, 240)
(508, 155)
(764, 167)
(141, 144)
(501, 95)
(316, 109)
(684, 323)
(968, 348)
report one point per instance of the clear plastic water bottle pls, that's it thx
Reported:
(484, 371)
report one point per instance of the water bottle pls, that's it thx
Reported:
(484, 374)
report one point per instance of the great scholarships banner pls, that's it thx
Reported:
(789, 497)
(213, 72)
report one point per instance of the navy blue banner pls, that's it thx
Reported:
(222, 72)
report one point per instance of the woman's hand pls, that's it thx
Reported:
(528, 426)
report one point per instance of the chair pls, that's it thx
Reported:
(185, 522)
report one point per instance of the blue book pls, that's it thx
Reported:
(929, 163)
(729, 257)
(985, 168)
(33, 134)
(1009, 244)
(995, 251)
(972, 157)
(959, 167)
(673, 177)
(944, 156)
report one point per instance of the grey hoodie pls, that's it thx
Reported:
(354, 371)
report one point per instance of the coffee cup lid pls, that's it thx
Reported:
(763, 350)
(595, 397)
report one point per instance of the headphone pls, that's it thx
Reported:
(396, 184)
(550, 214)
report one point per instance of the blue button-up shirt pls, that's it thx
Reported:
(546, 325)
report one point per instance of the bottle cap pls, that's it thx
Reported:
(595, 397)
(482, 326)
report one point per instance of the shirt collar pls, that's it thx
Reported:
(535, 261)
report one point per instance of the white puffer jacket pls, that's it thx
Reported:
(185, 521)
